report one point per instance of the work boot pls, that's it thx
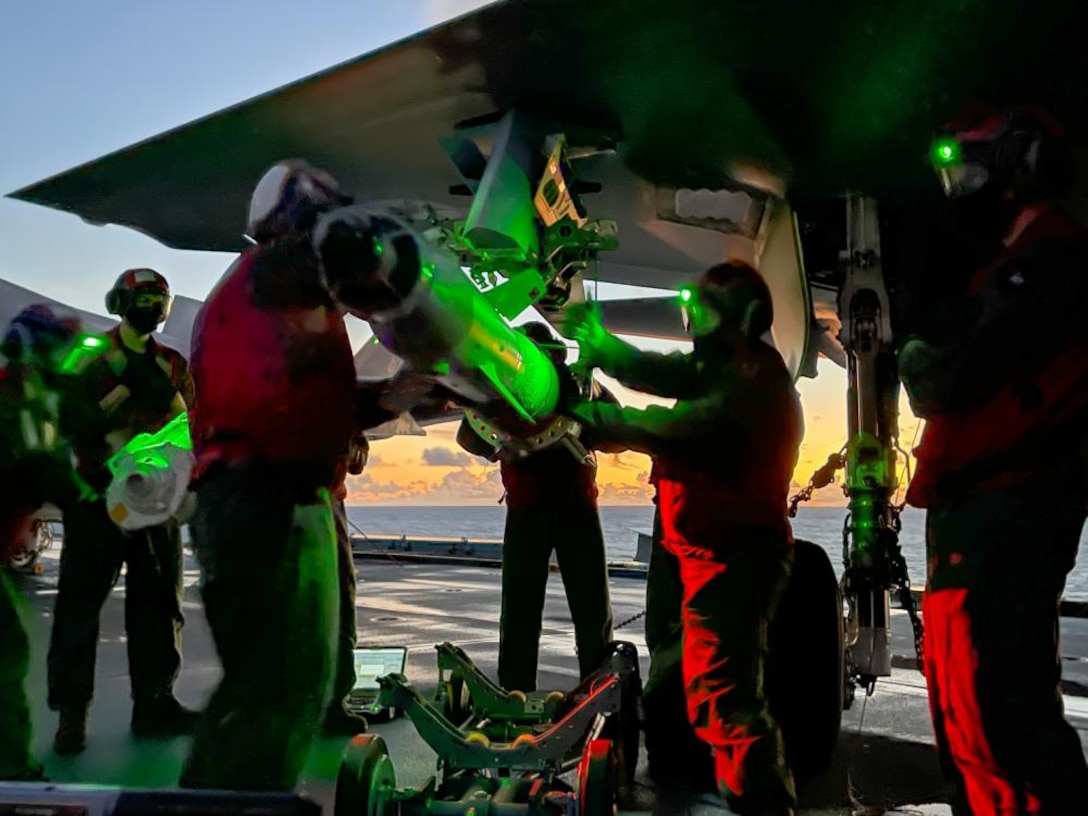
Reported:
(162, 717)
(341, 721)
(71, 737)
(680, 760)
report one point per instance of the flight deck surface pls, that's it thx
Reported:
(885, 749)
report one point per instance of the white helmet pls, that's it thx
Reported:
(288, 199)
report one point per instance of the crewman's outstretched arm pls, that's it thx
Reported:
(670, 375)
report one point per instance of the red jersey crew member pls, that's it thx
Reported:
(551, 505)
(135, 386)
(277, 409)
(1002, 379)
(724, 456)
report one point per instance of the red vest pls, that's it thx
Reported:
(272, 369)
(1026, 429)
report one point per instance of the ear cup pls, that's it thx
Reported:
(115, 301)
(1038, 163)
(16, 341)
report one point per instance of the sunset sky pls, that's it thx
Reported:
(433, 470)
(79, 80)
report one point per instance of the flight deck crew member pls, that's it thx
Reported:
(551, 505)
(724, 456)
(277, 406)
(1001, 376)
(135, 386)
(35, 467)
(339, 719)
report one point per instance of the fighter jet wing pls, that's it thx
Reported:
(689, 117)
(177, 331)
(375, 362)
(15, 298)
(835, 97)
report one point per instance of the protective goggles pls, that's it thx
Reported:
(699, 317)
(961, 167)
(150, 299)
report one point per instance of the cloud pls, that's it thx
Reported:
(466, 485)
(444, 457)
(622, 461)
(364, 490)
(639, 493)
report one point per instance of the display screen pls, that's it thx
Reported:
(370, 664)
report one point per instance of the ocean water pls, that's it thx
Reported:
(822, 525)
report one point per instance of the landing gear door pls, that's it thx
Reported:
(778, 258)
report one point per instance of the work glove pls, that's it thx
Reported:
(358, 454)
(582, 323)
(916, 358)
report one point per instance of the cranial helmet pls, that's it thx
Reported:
(142, 298)
(42, 336)
(729, 292)
(288, 199)
(1023, 150)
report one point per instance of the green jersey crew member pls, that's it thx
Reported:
(34, 468)
(135, 386)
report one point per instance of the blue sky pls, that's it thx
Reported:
(81, 79)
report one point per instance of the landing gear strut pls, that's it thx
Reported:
(873, 560)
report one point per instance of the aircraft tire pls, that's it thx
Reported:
(624, 728)
(806, 671)
(366, 779)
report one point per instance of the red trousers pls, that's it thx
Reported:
(729, 597)
(998, 564)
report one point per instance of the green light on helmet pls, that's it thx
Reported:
(687, 295)
(946, 151)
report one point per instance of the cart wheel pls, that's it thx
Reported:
(462, 700)
(477, 738)
(367, 779)
(596, 786)
(554, 698)
(443, 699)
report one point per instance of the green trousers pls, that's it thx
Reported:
(573, 531)
(347, 635)
(268, 555)
(16, 761)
